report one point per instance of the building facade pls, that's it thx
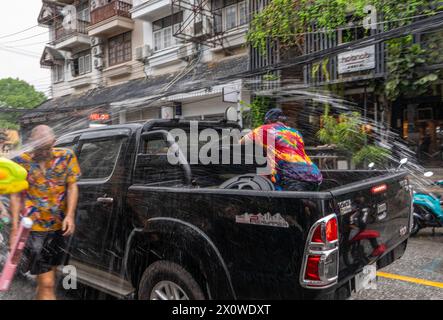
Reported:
(128, 61)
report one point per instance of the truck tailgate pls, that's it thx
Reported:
(374, 218)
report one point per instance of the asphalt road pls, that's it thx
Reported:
(422, 261)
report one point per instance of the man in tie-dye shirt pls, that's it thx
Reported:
(291, 168)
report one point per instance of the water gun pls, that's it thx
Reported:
(15, 254)
(13, 180)
(12, 177)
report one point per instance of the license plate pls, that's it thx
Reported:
(367, 278)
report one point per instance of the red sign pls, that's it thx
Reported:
(99, 116)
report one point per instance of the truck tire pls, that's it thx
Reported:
(163, 277)
(248, 182)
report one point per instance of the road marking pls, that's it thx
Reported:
(410, 279)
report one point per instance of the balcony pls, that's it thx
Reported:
(111, 19)
(80, 82)
(233, 38)
(74, 38)
(149, 10)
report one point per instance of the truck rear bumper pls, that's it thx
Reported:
(345, 289)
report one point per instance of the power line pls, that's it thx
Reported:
(18, 32)
(19, 53)
(18, 40)
(29, 28)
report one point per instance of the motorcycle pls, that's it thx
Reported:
(428, 208)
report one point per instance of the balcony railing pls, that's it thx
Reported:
(112, 9)
(62, 34)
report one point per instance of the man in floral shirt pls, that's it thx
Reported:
(50, 202)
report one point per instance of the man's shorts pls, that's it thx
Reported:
(43, 251)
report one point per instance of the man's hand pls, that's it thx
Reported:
(68, 226)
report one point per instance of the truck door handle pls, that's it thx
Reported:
(105, 200)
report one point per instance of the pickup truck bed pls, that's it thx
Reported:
(262, 262)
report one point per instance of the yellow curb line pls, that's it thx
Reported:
(410, 279)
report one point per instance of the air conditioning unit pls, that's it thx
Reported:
(99, 63)
(97, 3)
(203, 28)
(95, 41)
(142, 53)
(98, 51)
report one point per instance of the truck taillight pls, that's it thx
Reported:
(311, 272)
(320, 261)
(332, 230)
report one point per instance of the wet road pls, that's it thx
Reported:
(421, 265)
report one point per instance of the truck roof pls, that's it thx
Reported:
(160, 123)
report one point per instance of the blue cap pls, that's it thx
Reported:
(274, 115)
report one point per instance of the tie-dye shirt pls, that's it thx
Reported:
(45, 200)
(287, 155)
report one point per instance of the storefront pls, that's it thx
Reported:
(420, 122)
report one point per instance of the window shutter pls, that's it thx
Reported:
(88, 63)
(81, 65)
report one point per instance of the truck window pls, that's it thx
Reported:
(152, 164)
(97, 158)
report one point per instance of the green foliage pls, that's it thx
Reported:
(17, 93)
(371, 153)
(348, 136)
(283, 22)
(6, 125)
(276, 22)
(406, 74)
(257, 110)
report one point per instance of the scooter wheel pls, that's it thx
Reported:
(415, 227)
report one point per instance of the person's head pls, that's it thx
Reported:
(275, 115)
(42, 139)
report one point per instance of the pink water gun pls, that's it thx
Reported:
(15, 254)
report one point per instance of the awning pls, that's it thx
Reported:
(51, 57)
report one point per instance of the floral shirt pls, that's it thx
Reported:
(287, 154)
(45, 200)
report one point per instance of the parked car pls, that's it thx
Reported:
(149, 229)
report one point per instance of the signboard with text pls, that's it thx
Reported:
(356, 60)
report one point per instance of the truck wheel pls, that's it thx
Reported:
(165, 280)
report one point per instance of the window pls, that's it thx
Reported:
(229, 14)
(97, 158)
(152, 164)
(164, 30)
(120, 48)
(230, 17)
(83, 12)
(58, 73)
(82, 63)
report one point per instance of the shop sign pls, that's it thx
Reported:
(356, 60)
(99, 116)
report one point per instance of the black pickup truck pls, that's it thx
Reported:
(151, 229)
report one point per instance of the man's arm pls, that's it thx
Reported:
(247, 138)
(15, 207)
(69, 221)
